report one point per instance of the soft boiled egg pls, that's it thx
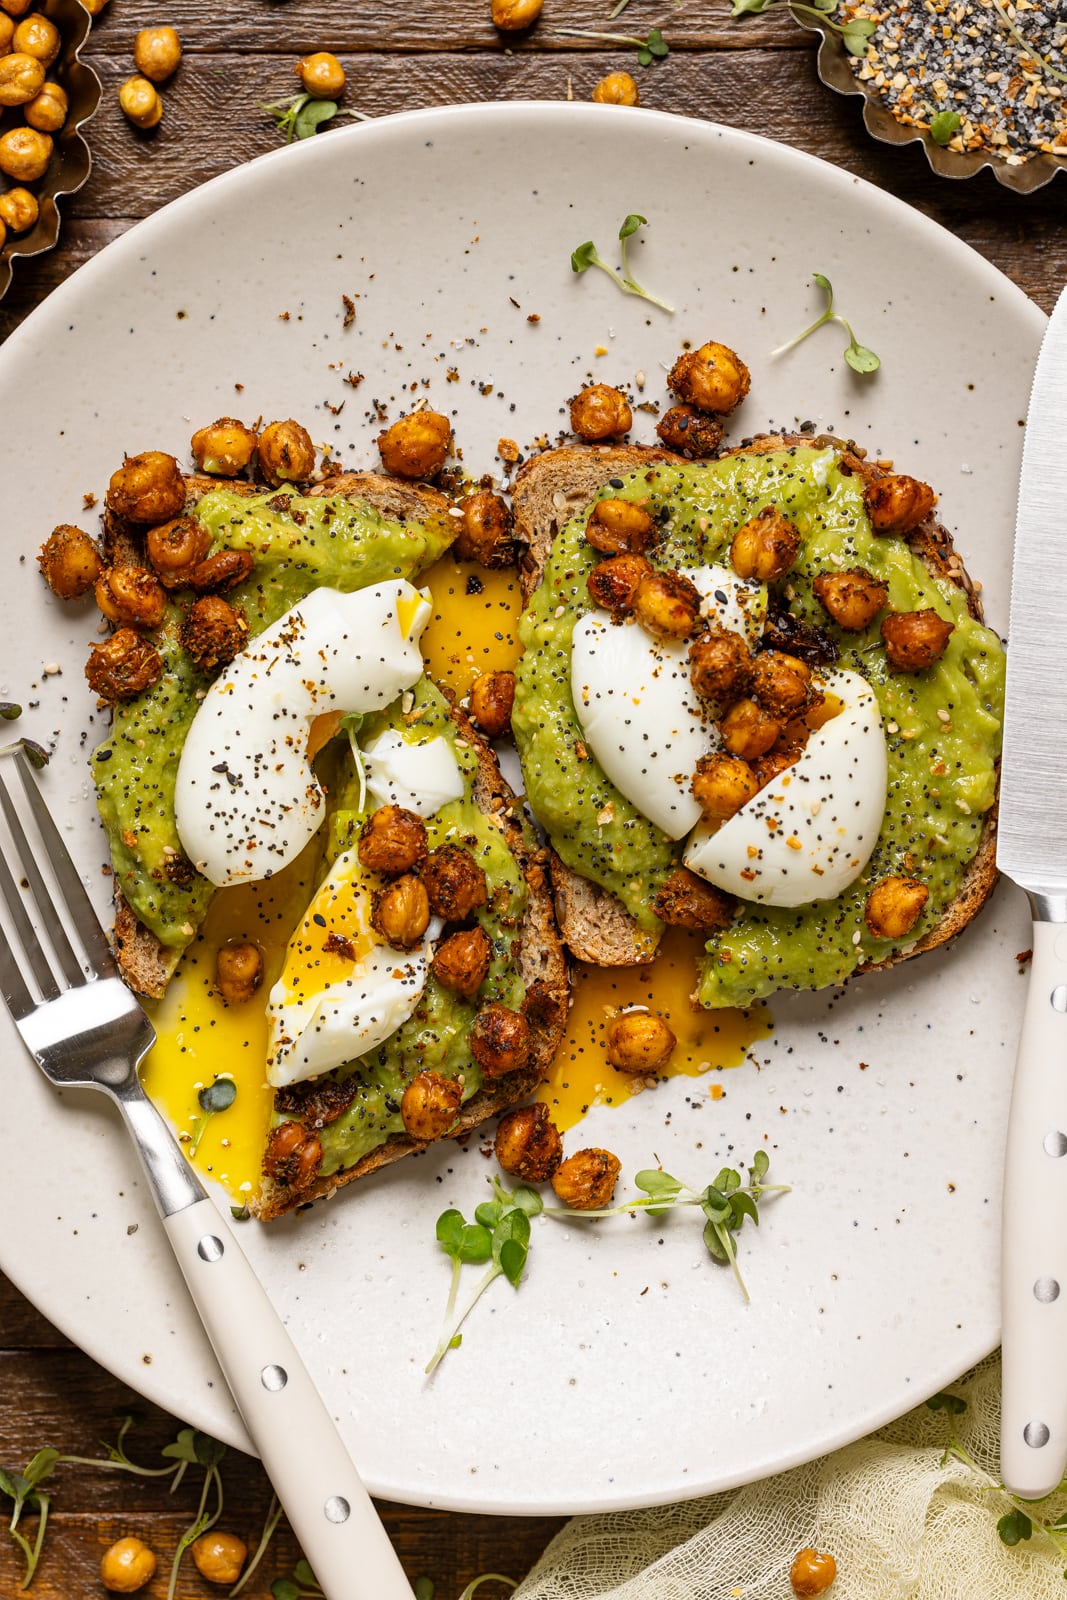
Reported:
(420, 774)
(808, 833)
(247, 800)
(636, 705)
(343, 991)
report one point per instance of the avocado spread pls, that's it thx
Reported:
(942, 725)
(299, 543)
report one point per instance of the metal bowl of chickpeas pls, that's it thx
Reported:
(47, 95)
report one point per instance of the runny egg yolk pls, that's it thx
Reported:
(475, 622)
(334, 934)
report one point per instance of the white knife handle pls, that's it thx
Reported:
(1033, 1448)
(329, 1509)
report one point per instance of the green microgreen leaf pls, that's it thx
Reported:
(1014, 1527)
(584, 257)
(653, 47)
(860, 359)
(310, 116)
(10, 711)
(213, 1097)
(424, 1589)
(35, 753)
(285, 1589)
(858, 356)
(943, 125)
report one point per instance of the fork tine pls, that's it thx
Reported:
(27, 936)
(78, 904)
(61, 945)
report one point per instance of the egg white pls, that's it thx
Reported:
(421, 775)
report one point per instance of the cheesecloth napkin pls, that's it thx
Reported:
(902, 1520)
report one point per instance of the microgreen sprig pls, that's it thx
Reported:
(217, 1096)
(500, 1236)
(23, 1489)
(653, 47)
(301, 1586)
(858, 356)
(854, 33)
(425, 1589)
(304, 115)
(586, 255)
(943, 125)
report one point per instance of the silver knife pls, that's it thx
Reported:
(1032, 849)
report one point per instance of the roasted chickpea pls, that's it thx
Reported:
(127, 1566)
(639, 1042)
(812, 1573)
(914, 640)
(499, 1040)
(713, 378)
(492, 697)
(429, 1105)
(174, 548)
(47, 111)
(667, 605)
(25, 154)
(70, 562)
(37, 36)
(94, 7)
(3, 232)
(140, 103)
(416, 446)
(123, 666)
(485, 531)
(321, 75)
(286, 453)
(238, 971)
(7, 33)
(225, 448)
(16, 8)
(897, 503)
(722, 785)
(401, 912)
(221, 572)
(461, 962)
(852, 598)
(748, 730)
(690, 432)
(392, 841)
(600, 412)
(147, 488)
(586, 1180)
(156, 53)
(293, 1155)
(894, 906)
(781, 683)
(510, 16)
(765, 546)
(21, 77)
(454, 882)
(213, 632)
(613, 583)
(618, 527)
(528, 1145)
(617, 89)
(132, 596)
(688, 901)
(720, 665)
(767, 767)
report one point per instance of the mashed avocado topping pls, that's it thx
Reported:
(942, 725)
(300, 543)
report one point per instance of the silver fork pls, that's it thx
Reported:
(86, 1030)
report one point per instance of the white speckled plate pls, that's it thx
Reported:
(626, 1370)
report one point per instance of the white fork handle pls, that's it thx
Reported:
(330, 1511)
(1033, 1449)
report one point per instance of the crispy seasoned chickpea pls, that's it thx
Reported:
(238, 971)
(722, 785)
(485, 530)
(812, 1573)
(767, 767)
(851, 598)
(429, 1105)
(25, 154)
(225, 447)
(321, 75)
(667, 605)
(392, 841)
(720, 665)
(616, 527)
(600, 412)
(21, 77)
(47, 111)
(914, 640)
(123, 666)
(221, 572)
(7, 33)
(286, 453)
(499, 1040)
(765, 546)
(894, 906)
(174, 548)
(617, 89)
(127, 1566)
(713, 378)
(897, 503)
(3, 233)
(70, 562)
(94, 7)
(213, 632)
(510, 16)
(688, 901)
(492, 697)
(781, 683)
(690, 432)
(454, 882)
(132, 596)
(416, 446)
(461, 962)
(639, 1042)
(528, 1145)
(293, 1155)
(613, 583)
(156, 53)
(37, 36)
(16, 8)
(140, 103)
(401, 912)
(586, 1180)
(147, 488)
(748, 730)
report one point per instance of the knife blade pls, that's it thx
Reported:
(1032, 850)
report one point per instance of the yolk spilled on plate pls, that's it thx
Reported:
(473, 629)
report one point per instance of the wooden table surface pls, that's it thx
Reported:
(758, 74)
